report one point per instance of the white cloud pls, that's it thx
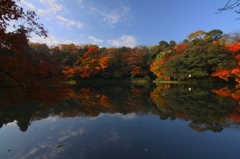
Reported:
(68, 22)
(95, 40)
(51, 40)
(112, 17)
(125, 40)
(52, 7)
(29, 5)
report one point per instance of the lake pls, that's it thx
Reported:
(123, 121)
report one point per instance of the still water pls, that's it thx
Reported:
(125, 122)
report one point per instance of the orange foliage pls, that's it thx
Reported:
(158, 68)
(104, 62)
(104, 101)
(69, 71)
(215, 43)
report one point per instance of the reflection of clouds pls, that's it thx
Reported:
(52, 146)
(58, 143)
(99, 116)
(129, 116)
(32, 151)
(125, 117)
(70, 133)
(14, 123)
(51, 119)
(113, 138)
(52, 149)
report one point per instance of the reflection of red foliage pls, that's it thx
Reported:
(235, 116)
(225, 92)
(181, 115)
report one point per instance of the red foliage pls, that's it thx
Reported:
(179, 48)
(235, 72)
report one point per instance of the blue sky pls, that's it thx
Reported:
(116, 23)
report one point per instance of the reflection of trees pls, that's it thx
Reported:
(22, 115)
(117, 99)
(227, 92)
(80, 101)
(205, 110)
(20, 106)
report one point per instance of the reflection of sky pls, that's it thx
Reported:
(114, 136)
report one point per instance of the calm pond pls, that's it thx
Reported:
(123, 121)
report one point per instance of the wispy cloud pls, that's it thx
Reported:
(29, 5)
(112, 17)
(69, 22)
(31, 152)
(125, 40)
(80, 2)
(95, 40)
(52, 7)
